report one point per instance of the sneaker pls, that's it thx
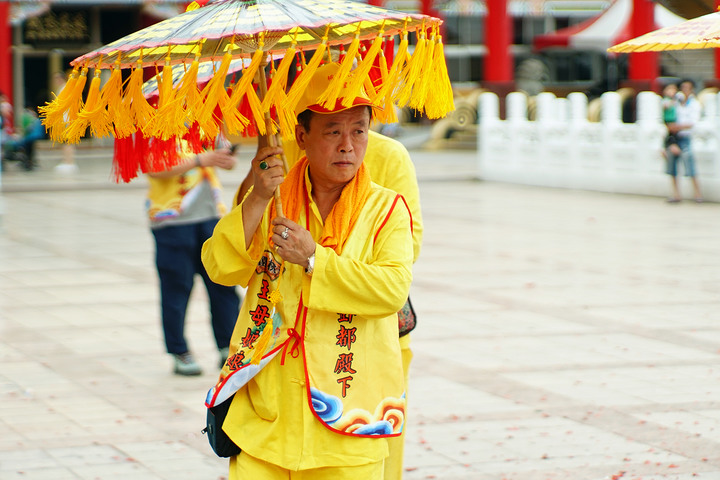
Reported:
(224, 353)
(185, 364)
(66, 168)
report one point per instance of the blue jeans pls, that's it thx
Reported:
(177, 257)
(687, 158)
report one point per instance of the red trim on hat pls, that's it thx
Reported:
(339, 107)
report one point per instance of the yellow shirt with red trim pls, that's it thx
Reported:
(333, 391)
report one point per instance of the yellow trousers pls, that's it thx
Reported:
(246, 467)
(396, 445)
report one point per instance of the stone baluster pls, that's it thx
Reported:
(516, 107)
(545, 102)
(611, 108)
(489, 107)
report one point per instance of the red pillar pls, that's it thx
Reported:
(426, 8)
(498, 38)
(643, 68)
(6, 61)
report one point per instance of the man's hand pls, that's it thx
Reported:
(292, 242)
(267, 171)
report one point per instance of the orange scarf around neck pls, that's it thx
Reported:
(341, 220)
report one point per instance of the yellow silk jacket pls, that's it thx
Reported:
(341, 323)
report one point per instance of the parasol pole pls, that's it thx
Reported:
(269, 137)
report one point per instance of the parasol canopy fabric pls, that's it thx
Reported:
(698, 33)
(233, 25)
(256, 32)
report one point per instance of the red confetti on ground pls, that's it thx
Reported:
(618, 475)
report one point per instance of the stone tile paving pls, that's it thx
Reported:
(563, 335)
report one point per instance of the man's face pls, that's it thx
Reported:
(686, 88)
(335, 145)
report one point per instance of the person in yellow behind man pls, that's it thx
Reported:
(320, 316)
(389, 164)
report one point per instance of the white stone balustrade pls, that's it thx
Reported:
(562, 149)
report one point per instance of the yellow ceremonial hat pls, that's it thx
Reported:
(319, 84)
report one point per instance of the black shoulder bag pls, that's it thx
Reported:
(219, 441)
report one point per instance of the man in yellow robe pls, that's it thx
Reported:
(389, 164)
(324, 285)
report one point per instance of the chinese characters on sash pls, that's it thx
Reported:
(345, 339)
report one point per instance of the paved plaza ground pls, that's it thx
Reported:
(563, 335)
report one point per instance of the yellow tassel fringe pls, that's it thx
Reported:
(360, 73)
(76, 130)
(67, 108)
(386, 109)
(111, 99)
(329, 97)
(301, 83)
(75, 100)
(138, 108)
(169, 121)
(276, 93)
(188, 92)
(441, 102)
(262, 342)
(411, 72)
(53, 113)
(386, 94)
(245, 87)
(420, 90)
(213, 93)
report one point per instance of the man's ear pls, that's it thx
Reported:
(300, 136)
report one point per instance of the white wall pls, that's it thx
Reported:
(562, 149)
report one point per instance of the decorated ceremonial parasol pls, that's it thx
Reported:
(700, 32)
(260, 31)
